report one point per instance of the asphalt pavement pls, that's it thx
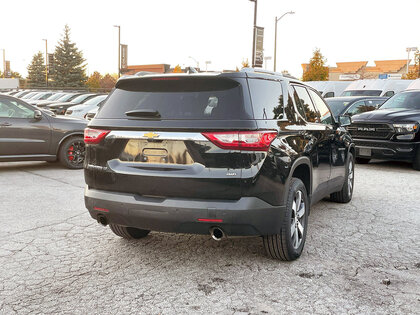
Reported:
(361, 257)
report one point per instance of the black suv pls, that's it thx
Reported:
(391, 132)
(233, 154)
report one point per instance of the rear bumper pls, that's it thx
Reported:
(387, 150)
(244, 217)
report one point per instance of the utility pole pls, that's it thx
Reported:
(275, 37)
(119, 49)
(255, 29)
(46, 62)
(4, 63)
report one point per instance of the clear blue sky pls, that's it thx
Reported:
(166, 31)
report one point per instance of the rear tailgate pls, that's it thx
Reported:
(161, 151)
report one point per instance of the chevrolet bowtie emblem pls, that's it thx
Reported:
(151, 135)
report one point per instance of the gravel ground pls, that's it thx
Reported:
(361, 257)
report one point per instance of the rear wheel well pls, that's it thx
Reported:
(303, 173)
(65, 139)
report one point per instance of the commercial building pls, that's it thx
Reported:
(354, 70)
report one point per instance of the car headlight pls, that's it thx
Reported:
(406, 128)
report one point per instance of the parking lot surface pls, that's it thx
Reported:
(361, 257)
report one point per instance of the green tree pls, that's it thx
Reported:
(316, 71)
(69, 64)
(36, 71)
(94, 81)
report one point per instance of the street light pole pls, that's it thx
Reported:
(4, 63)
(275, 37)
(408, 50)
(46, 62)
(255, 28)
(119, 49)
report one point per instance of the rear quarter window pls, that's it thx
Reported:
(267, 98)
(196, 98)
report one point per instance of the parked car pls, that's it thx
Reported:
(81, 110)
(60, 108)
(29, 134)
(67, 97)
(352, 105)
(233, 154)
(40, 97)
(28, 95)
(91, 114)
(391, 132)
(376, 87)
(53, 97)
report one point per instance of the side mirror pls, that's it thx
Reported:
(344, 120)
(37, 115)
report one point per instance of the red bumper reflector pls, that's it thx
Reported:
(210, 220)
(100, 209)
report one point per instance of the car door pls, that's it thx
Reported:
(336, 143)
(320, 137)
(20, 132)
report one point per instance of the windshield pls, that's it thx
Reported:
(55, 97)
(39, 96)
(29, 95)
(65, 98)
(362, 93)
(406, 100)
(96, 100)
(337, 106)
(80, 98)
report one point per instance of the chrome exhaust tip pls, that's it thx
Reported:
(217, 233)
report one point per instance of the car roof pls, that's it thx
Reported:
(354, 98)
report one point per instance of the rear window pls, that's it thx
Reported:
(179, 98)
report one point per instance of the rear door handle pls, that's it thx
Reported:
(5, 124)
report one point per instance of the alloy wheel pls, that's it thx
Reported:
(297, 221)
(76, 152)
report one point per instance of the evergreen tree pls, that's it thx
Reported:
(36, 71)
(316, 71)
(69, 66)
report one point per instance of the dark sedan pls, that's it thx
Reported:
(352, 105)
(29, 134)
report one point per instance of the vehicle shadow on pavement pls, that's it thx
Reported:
(33, 166)
(390, 165)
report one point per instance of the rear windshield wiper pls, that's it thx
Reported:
(143, 113)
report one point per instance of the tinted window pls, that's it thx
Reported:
(357, 108)
(304, 101)
(13, 109)
(389, 94)
(329, 94)
(362, 93)
(322, 107)
(267, 98)
(409, 100)
(337, 106)
(179, 98)
(375, 103)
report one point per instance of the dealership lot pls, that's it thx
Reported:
(55, 258)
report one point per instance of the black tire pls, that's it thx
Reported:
(416, 162)
(346, 193)
(128, 232)
(360, 160)
(72, 153)
(285, 246)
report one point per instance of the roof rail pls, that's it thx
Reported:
(255, 70)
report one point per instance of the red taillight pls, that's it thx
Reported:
(242, 140)
(210, 220)
(94, 136)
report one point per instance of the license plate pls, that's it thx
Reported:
(365, 152)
